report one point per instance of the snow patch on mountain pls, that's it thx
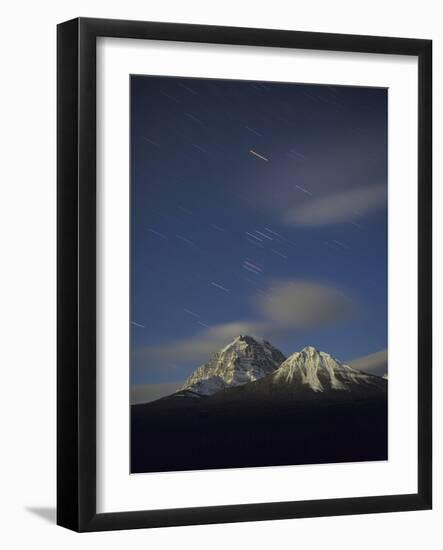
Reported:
(321, 372)
(243, 360)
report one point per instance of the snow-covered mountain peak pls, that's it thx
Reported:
(246, 359)
(240, 342)
(243, 360)
(320, 372)
(310, 351)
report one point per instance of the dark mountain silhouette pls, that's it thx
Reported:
(310, 409)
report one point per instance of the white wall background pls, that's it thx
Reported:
(27, 273)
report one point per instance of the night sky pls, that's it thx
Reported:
(256, 208)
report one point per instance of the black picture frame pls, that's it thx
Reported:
(76, 265)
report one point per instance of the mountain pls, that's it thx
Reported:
(321, 372)
(256, 408)
(308, 376)
(243, 360)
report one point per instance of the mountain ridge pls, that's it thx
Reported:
(310, 409)
(322, 372)
(246, 360)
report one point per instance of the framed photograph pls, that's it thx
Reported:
(244, 274)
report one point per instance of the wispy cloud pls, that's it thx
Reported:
(374, 363)
(304, 304)
(337, 207)
(200, 346)
(144, 393)
(287, 305)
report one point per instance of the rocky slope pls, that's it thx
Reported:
(242, 361)
(250, 407)
(320, 372)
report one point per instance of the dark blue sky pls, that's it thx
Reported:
(259, 207)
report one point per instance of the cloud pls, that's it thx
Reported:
(304, 304)
(144, 393)
(200, 347)
(338, 207)
(374, 363)
(287, 306)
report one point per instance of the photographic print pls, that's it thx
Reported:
(258, 257)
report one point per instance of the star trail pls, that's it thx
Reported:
(240, 188)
